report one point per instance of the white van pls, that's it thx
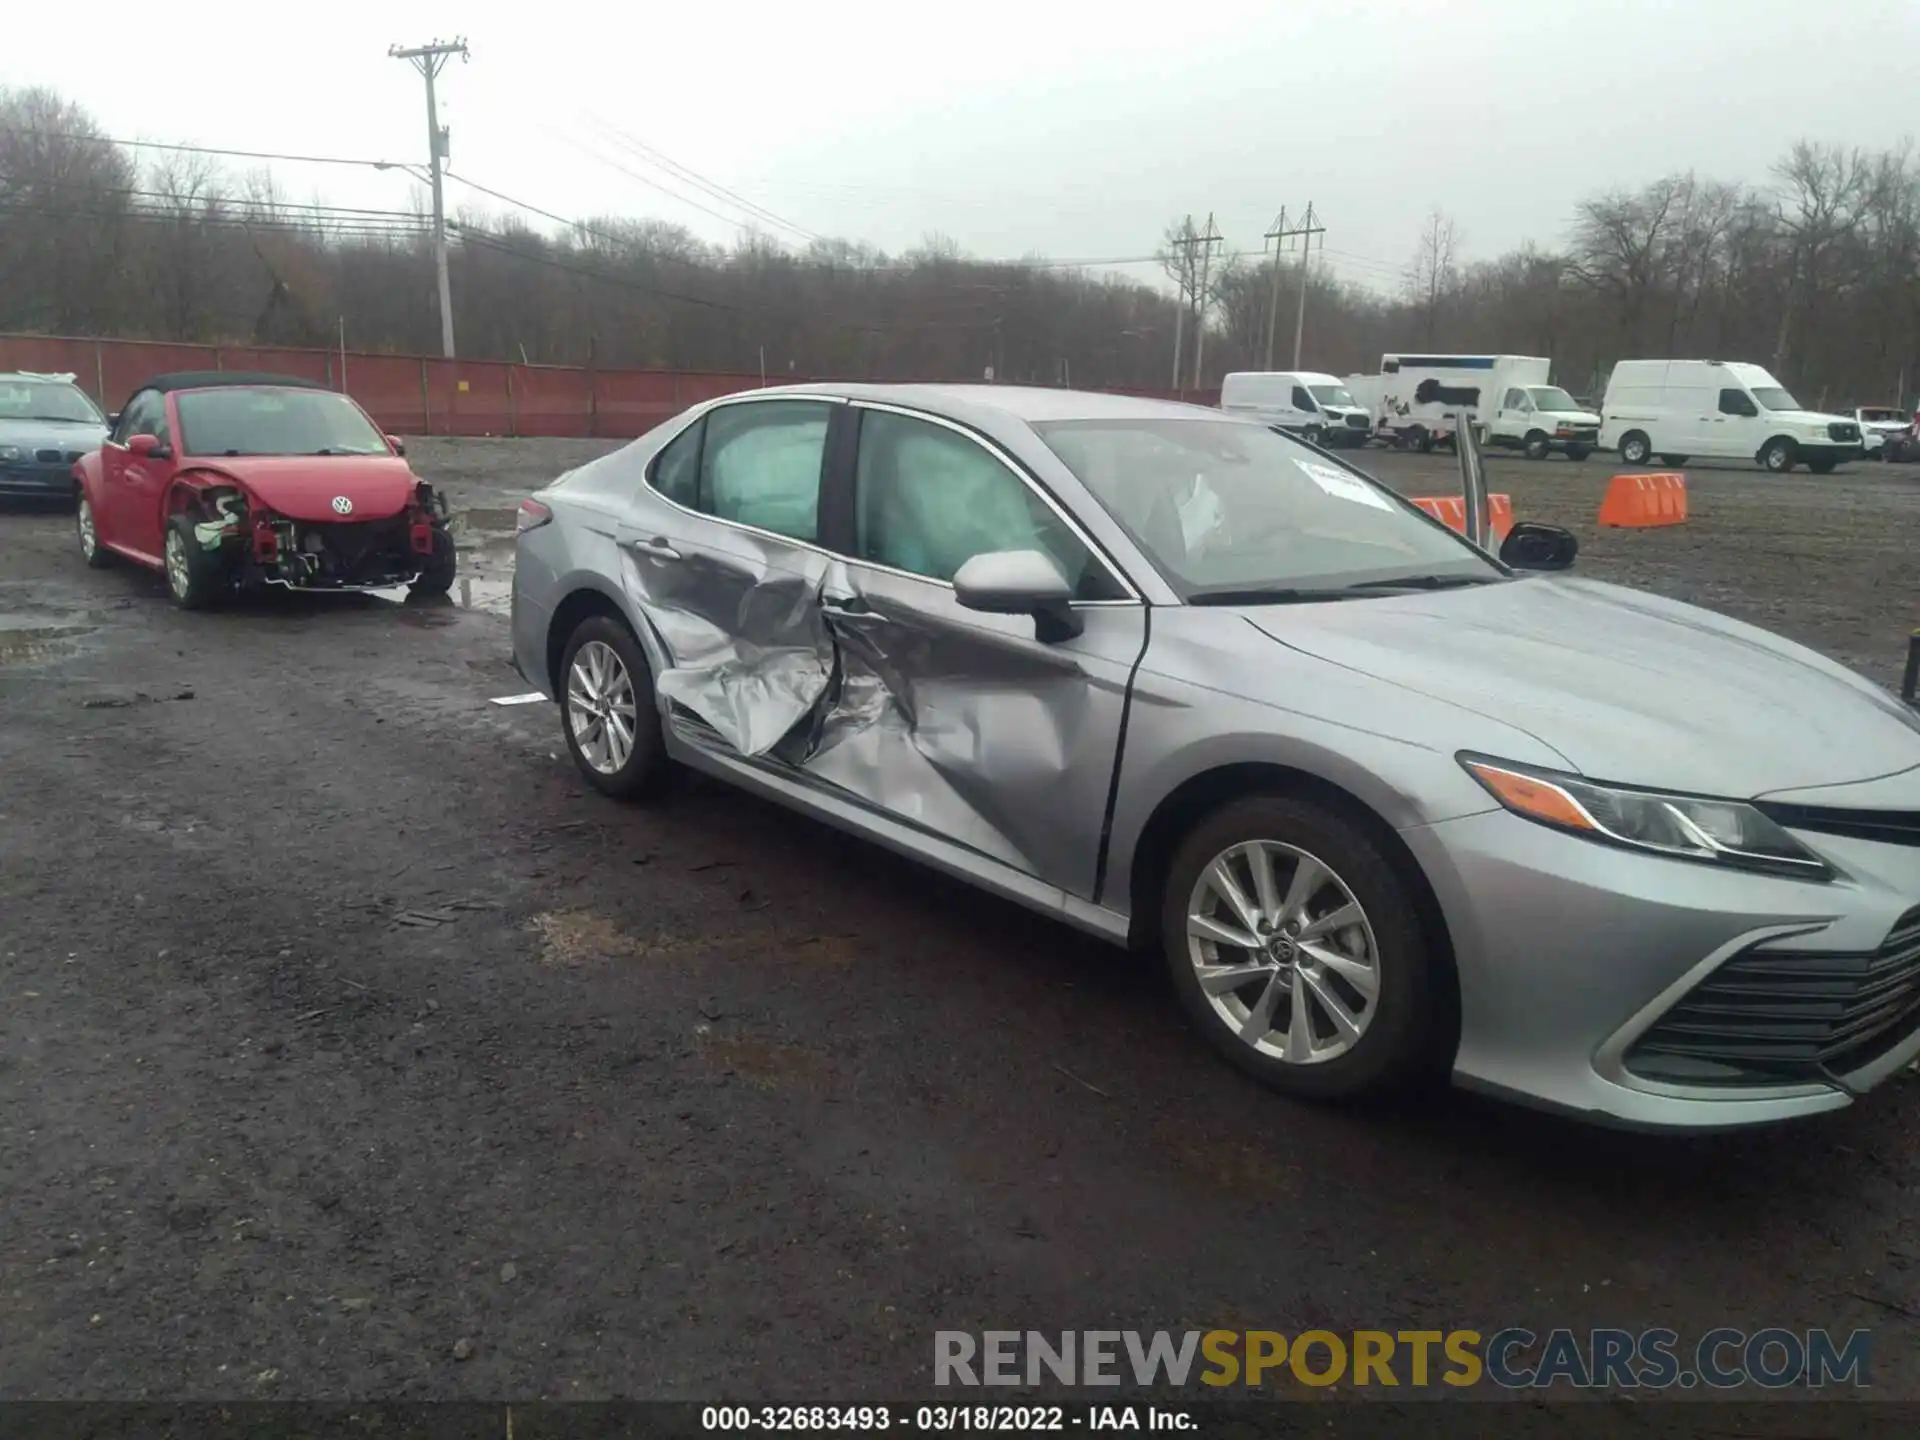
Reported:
(1676, 409)
(1304, 402)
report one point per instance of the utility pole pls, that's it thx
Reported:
(1306, 230)
(430, 60)
(1210, 239)
(1273, 302)
(1184, 244)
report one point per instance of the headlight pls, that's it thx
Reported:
(1686, 827)
(12, 452)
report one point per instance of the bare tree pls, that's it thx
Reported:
(1433, 270)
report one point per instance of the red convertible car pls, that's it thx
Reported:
(230, 482)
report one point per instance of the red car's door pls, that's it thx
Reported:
(136, 484)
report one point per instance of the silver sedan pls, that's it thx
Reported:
(1390, 806)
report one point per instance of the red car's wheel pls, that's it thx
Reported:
(195, 575)
(95, 554)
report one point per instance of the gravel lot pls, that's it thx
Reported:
(704, 1101)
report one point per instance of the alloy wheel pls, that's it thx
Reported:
(601, 708)
(179, 575)
(89, 537)
(1283, 951)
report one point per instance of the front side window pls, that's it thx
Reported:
(929, 499)
(245, 420)
(46, 400)
(1224, 507)
(1302, 400)
(146, 414)
(1736, 402)
(760, 465)
(1515, 400)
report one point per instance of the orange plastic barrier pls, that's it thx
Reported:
(1451, 510)
(1643, 500)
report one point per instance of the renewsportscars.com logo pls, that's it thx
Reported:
(1513, 1358)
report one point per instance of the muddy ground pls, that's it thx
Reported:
(348, 1049)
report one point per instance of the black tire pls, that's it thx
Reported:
(1675, 459)
(1578, 452)
(87, 531)
(1422, 441)
(197, 578)
(1635, 448)
(1779, 454)
(436, 577)
(1822, 467)
(1538, 447)
(1314, 435)
(1407, 1026)
(646, 764)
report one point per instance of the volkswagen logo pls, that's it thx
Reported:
(342, 505)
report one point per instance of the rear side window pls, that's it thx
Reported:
(676, 469)
(760, 465)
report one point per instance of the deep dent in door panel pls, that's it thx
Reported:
(747, 645)
(954, 733)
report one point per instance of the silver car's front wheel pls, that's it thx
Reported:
(1283, 952)
(1300, 946)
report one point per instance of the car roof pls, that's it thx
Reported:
(217, 379)
(62, 378)
(1034, 404)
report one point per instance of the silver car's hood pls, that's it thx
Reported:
(63, 435)
(1627, 686)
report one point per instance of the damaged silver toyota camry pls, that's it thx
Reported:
(1391, 806)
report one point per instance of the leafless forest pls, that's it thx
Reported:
(1815, 273)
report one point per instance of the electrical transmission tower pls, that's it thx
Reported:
(430, 60)
(1280, 234)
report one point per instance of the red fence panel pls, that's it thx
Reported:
(419, 395)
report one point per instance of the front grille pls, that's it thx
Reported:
(1356, 422)
(1889, 827)
(1767, 1016)
(1846, 432)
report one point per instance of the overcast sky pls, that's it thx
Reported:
(1069, 129)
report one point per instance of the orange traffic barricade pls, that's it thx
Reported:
(1451, 510)
(1642, 500)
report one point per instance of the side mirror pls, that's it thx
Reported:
(399, 445)
(1533, 546)
(1019, 582)
(146, 446)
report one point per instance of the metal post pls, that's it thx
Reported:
(1473, 481)
(343, 354)
(1200, 305)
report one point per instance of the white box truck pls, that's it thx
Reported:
(1676, 409)
(1302, 402)
(1424, 398)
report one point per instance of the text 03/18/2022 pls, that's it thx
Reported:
(936, 1419)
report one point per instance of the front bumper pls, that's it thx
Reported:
(37, 481)
(1572, 954)
(1839, 453)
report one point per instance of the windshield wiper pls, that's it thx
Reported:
(1273, 595)
(1426, 582)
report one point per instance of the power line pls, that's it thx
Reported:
(653, 184)
(197, 149)
(712, 188)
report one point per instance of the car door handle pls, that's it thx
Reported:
(845, 605)
(659, 547)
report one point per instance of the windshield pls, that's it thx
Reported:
(1552, 397)
(1772, 397)
(1223, 505)
(1331, 394)
(47, 400)
(275, 422)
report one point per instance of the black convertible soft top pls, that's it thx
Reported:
(209, 379)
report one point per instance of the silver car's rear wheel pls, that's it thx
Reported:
(601, 707)
(608, 710)
(1283, 952)
(1301, 945)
